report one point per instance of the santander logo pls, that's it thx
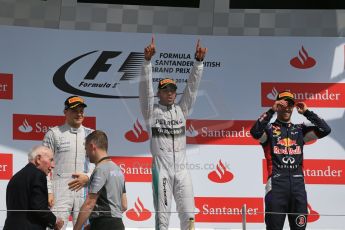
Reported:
(220, 132)
(34, 127)
(318, 171)
(313, 215)
(191, 132)
(229, 209)
(314, 94)
(273, 94)
(135, 169)
(137, 134)
(25, 127)
(302, 61)
(221, 174)
(139, 212)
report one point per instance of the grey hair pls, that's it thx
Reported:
(37, 150)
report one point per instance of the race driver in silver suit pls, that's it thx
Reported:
(167, 124)
(73, 169)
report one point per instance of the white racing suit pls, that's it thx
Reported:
(68, 146)
(167, 127)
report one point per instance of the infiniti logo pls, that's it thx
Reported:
(288, 160)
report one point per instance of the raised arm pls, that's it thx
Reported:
(190, 92)
(258, 129)
(318, 130)
(146, 96)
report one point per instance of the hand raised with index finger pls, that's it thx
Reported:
(200, 52)
(150, 50)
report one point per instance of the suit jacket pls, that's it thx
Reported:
(27, 190)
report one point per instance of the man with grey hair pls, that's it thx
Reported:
(27, 192)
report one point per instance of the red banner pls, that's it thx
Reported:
(318, 171)
(229, 209)
(135, 169)
(6, 166)
(34, 127)
(328, 95)
(220, 132)
(6, 86)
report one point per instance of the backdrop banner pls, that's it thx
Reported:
(40, 68)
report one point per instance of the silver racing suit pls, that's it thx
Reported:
(68, 146)
(167, 127)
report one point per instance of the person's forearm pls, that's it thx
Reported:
(322, 129)
(146, 94)
(84, 214)
(259, 126)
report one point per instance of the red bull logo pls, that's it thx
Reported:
(286, 150)
(287, 142)
(287, 146)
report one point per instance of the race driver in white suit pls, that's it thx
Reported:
(67, 189)
(166, 121)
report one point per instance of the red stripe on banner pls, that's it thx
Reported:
(328, 95)
(229, 209)
(34, 127)
(318, 171)
(220, 132)
(135, 169)
(6, 86)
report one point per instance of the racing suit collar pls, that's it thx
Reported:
(74, 130)
(166, 107)
(282, 123)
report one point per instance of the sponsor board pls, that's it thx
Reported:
(6, 166)
(135, 169)
(229, 209)
(6, 86)
(34, 127)
(220, 132)
(326, 95)
(318, 171)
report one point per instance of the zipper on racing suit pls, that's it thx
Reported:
(288, 151)
(76, 152)
(172, 133)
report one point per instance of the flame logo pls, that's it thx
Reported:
(25, 127)
(315, 215)
(273, 95)
(139, 212)
(221, 174)
(302, 61)
(138, 134)
(191, 132)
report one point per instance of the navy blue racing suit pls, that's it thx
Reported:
(283, 147)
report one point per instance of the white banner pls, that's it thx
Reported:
(40, 68)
